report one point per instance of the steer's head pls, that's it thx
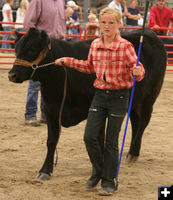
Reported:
(27, 48)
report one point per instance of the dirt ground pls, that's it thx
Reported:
(23, 149)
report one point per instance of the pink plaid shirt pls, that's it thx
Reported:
(112, 65)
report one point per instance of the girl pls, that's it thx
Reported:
(133, 15)
(113, 59)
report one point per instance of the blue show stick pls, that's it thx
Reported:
(133, 87)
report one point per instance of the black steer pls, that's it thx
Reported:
(80, 88)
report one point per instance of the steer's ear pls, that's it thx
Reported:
(17, 36)
(45, 38)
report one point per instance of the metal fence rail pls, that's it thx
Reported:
(82, 35)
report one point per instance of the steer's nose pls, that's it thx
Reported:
(12, 76)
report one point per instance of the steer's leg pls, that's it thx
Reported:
(53, 136)
(139, 119)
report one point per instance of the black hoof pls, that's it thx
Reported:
(131, 159)
(43, 176)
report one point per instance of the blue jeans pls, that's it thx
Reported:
(75, 32)
(6, 37)
(32, 98)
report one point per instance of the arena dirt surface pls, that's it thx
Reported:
(23, 149)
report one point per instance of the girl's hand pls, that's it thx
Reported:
(60, 61)
(136, 70)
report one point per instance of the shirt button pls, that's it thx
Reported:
(107, 91)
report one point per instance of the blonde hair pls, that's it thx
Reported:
(112, 11)
(69, 12)
(23, 6)
(70, 9)
(92, 16)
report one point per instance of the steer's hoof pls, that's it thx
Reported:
(43, 176)
(131, 159)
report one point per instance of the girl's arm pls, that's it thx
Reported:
(84, 66)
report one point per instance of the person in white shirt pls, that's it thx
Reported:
(117, 4)
(7, 17)
(20, 14)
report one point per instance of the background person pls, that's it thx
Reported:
(94, 26)
(48, 16)
(7, 17)
(20, 14)
(114, 79)
(133, 15)
(121, 6)
(160, 16)
(94, 11)
(75, 17)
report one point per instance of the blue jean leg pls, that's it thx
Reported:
(6, 37)
(75, 32)
(32, 98)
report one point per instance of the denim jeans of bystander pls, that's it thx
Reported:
(6, 36)
(32, 98)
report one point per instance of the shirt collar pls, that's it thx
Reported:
(114, 45)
